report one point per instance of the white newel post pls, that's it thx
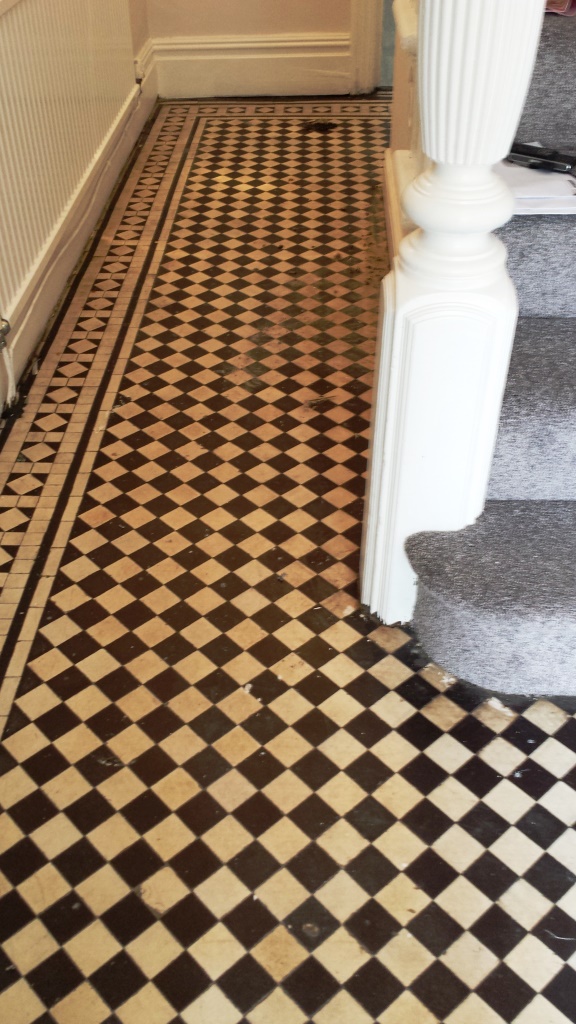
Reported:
(449, 307)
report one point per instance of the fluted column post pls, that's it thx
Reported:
(448, 306)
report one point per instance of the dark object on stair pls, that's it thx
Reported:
(540, 158)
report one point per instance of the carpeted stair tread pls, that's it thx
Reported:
(497, 601)
(535, 454)
(549, 115)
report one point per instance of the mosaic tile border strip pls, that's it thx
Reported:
(32, 476)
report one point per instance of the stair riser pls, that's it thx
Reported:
(510, 654)
(541, 263)
(530, 465)
(535, 455)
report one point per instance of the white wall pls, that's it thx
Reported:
(254, 47)
(246, 17)
(138, 10)
(71, 113)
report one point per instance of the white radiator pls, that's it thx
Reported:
(67, 93)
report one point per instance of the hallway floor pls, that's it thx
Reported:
(230, 795)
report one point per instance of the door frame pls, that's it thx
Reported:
(366, 24)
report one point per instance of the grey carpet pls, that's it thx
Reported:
(497, 600)
(549, 115)
(532, 655)
(535, 454)
(541, 261)
(541, 249)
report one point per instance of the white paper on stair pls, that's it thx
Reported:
(536, 191)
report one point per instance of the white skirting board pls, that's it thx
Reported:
(302, 64)
(64, 248)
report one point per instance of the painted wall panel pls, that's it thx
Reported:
(246, 17)
(71, 112)
(139, 23)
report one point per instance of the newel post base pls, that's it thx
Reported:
(448, 306)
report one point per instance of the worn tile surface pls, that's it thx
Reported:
(228, 794)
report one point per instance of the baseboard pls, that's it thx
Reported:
(304, 64)
(60, 256)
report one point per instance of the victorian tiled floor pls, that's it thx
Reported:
(229, 795)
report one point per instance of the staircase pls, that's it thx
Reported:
(496, 601)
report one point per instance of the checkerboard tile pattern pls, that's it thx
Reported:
(229, 794)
